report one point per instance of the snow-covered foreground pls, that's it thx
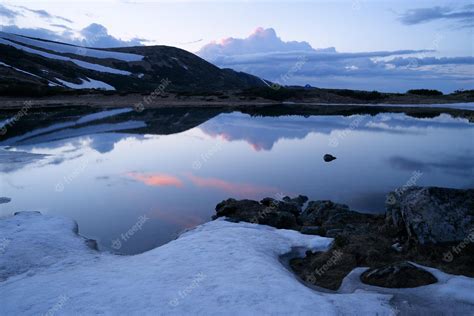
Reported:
(217, 268)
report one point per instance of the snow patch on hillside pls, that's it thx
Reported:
(87, 84)
(50, 83)
(80, 63)
(71, 49)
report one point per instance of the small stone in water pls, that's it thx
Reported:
(328, 158)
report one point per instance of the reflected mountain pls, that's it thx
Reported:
(263, 132)
(59, 132)
(116, 163)
(42, 127)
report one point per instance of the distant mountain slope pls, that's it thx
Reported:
(29, 63)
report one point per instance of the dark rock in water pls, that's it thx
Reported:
(329, 158)
(27, 212)
(398, 275)
(4, 200)
(270, 212)
(431, 214)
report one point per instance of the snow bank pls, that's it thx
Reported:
(219, 268)
(71, 49)
(87, 84)
(451, 295)
(30, 246)
(80, 63)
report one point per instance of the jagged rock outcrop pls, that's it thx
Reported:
(431, 214)
(279, 214)
(415, 227)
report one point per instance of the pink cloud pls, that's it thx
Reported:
(156, 179)
(240, 189)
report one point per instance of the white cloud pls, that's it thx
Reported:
(265, 55)
(53, 28)
(260, 41)
(94, 35)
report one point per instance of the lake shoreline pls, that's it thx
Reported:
(176, 100)
(249, 252)
(12, 106)
(430, 226)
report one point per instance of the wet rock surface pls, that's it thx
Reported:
(279, 214)
(398, 275)
(432, 215)
(369, 240)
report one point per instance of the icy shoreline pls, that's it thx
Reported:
(216, 268)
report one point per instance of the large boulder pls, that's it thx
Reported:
(287, 204)
(329, 215)
(279, 214)
(432, 215)
(398, 275)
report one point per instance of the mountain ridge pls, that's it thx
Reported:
(33, 63)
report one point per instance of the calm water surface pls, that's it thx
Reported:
(108, 175)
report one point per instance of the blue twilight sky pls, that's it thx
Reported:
(384, 45)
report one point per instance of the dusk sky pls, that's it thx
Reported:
(383, 45)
